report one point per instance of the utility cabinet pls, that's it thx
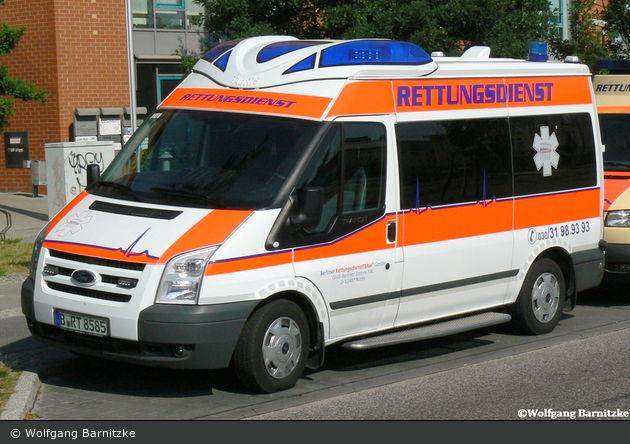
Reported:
(66, 169)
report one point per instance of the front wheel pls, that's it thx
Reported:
(540, 303)
(272, 350)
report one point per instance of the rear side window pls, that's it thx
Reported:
(560, 147)
(453, 161)
(476, 160)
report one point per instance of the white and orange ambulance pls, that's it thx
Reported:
(293, 194)
(612, 96)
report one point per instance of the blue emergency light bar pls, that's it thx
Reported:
(374, 52)
(220, 49)
(538, 52)
(353, 52)
(274, 50)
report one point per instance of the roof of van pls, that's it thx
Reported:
(264, 62)
(324, 79)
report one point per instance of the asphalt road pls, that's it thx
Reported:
(579, 369)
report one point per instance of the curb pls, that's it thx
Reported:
(22, 398)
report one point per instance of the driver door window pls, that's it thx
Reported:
(351, 170)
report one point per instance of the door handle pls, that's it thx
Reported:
(391, 231)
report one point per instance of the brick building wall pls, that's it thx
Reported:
(76, 51)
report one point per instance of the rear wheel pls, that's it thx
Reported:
(271, 353)
(540, 303)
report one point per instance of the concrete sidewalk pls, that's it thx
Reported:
(26, 215)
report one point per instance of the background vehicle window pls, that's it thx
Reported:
(616, 136)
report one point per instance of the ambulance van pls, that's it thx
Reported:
(612, 96)
(294, 194)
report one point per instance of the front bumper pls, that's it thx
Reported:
(589, 267)
(618, 259)
(173, 336)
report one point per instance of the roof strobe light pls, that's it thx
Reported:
(374, 52)
(538, 52)
(220, 49)
(274, 50)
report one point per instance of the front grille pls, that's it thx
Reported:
(88, 292)
(118, 279)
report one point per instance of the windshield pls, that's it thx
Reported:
(207, 159)
(615, 130)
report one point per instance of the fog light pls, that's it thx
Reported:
(622, 267)
(180, 351)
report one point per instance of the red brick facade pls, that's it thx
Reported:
(76, 51)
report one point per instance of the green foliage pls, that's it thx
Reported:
(9, 37)
(450, 26)
(587, 39)
(617, 18)
(10, 87)
(233, 19)
(507, 26)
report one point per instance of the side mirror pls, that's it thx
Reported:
(93, 173)
(310, 208)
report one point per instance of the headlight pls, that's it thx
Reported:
(619, 218)
(182, 277)
(37, 248)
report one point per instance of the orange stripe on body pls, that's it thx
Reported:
(371, 238)
(249, 263)
(615, 183)
(368, 97)
(556, 208)
(101, 252)
(448, 223)
(613, 109)
(65, 210)
(249, 101)
(213, 229)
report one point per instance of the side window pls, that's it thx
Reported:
(558, 147)
(350, 167)
(454, 161)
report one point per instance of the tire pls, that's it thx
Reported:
(272, 350)
(540, 303)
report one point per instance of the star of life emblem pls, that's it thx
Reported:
(546, 157)
(74, 223)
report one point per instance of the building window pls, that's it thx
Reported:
(143, 14)
(165, 14)
(559, 16)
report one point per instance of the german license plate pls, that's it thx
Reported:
(82, 323)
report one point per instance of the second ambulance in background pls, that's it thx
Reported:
(612, 95)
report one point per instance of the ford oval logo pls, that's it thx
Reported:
(85, 277)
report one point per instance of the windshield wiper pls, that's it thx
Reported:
(126, 189)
